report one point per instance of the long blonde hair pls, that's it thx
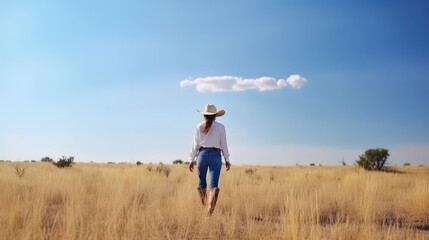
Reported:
(208, 121)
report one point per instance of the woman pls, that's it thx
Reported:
(209, 143)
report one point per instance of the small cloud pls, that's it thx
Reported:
(237, 84)
(186, 83)
(296, 81)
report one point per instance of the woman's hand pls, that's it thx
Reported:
(227, 165)
(191, 166)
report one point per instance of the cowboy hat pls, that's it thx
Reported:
(211, 110)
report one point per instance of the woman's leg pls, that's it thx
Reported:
(202, 165)
(215, 166)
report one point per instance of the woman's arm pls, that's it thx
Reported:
(224, 147)
(195, 145)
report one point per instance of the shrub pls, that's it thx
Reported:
(139, 163)
(178, 161)
(161, 168)
(20, 171)
(46, 159)
(64, 162)
(250, 171)
(166, 171)
(373, 159)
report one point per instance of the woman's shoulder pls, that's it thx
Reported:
(218, 124)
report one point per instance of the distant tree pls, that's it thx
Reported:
(178, 161)
(110, 163)
(186, 163)
(373, 159)
(139, 163)
(407, 164)
(312, 164)
(64, 162)
(46, 159)
(33, 161)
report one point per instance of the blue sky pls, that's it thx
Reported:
(101, 80)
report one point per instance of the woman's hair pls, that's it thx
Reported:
(208, 121)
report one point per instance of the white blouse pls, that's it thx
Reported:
(216, 137)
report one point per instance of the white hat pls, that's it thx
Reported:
(211, 110)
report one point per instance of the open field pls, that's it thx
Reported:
(122, 201)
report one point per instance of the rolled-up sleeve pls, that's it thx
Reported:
(224, 144)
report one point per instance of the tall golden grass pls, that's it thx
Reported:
(124, 201)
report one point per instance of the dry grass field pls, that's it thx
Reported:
(124, 201)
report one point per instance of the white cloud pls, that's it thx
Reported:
(296, 81)
(236, 84)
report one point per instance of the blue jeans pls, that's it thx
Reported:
(211, 160)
